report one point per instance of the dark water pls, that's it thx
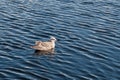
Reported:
(88, 34)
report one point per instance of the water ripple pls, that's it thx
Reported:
(87, 35)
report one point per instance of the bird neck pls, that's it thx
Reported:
(53, 43)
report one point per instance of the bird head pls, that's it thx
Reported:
(52, 38)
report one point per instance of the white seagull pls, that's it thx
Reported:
(44, 46)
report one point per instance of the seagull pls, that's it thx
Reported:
(44, 46)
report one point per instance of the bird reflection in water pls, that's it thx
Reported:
(48, 52)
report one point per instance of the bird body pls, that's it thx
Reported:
(43, 46)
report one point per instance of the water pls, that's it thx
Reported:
(87, 32)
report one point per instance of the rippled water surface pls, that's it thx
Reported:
(87, 32)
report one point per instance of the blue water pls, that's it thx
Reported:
(87, 32)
